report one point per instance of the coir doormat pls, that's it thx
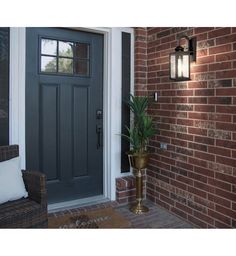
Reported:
(100, 218)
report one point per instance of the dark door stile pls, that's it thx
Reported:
(61, 122)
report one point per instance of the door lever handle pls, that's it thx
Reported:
(99, 135)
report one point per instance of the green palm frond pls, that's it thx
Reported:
(143, 128)
(138, 104)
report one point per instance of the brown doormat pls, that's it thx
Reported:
(100, 218)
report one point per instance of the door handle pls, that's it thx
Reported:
(99, 136)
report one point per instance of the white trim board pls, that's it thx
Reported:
(112, 98)
(17, 90)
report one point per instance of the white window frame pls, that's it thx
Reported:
(112, 98)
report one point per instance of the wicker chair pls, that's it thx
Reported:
(30, 212)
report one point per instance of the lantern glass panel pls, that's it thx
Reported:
(185, 66)
(172, 67)
(180, 66)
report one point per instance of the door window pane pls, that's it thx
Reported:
(48, 47)
(64, 57)
(82, 50)
(4, 86)
(48, 64)
(65, 65)
(65, 49)
(82, 67)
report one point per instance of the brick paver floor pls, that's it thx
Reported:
(157, 217)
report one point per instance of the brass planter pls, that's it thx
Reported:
(138, 162)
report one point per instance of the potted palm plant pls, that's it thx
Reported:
(138, 135)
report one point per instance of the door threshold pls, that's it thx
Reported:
(67, 205)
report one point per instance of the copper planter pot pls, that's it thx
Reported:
(138, 162)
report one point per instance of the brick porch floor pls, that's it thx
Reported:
(157, 217)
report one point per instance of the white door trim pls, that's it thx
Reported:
(112, 98)
(17, 90)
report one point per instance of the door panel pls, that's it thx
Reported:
(80, 126)
(61, 104)
(49, 118)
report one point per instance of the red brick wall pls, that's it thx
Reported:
(140, 64)
(126, 189)
(195, 177)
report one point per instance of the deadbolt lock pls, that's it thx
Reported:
(99, 114)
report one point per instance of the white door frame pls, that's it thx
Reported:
(112, 98)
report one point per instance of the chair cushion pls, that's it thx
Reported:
(22, 213)
(12, 186)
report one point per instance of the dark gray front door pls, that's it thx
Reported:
(64, 104)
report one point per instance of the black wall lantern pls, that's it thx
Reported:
(180, 60)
